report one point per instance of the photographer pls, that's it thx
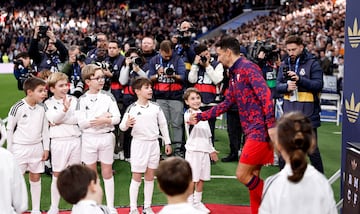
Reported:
(167, 72)
(23, 69)
(206, 73)
(184, 46)
(133, 68)
(268, 59)
(300, 80)
(73, 70)
(53, 53)
(115, 61)
(101, 41)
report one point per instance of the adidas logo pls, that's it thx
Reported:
(352, 110)
(354, 35)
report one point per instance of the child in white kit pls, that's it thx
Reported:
(145, 118)
(199, 148)
(97, 114)
(64, 131)
(80, 186)
(28, 135)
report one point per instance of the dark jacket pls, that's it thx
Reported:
(309, 85)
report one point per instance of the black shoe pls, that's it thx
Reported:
(230, 158)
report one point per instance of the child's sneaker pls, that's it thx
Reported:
(53, 210)
(134, 211)
(148, 211)
(201, 206)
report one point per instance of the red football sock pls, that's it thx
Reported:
(255, 186)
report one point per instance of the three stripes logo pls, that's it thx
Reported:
(354, 35)
(352, 110)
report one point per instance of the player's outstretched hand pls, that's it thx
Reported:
(192, 120)
(168, 149)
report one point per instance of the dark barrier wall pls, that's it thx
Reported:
(351, 98)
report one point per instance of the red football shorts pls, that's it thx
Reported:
(257, 153)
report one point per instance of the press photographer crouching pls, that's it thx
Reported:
(23, 68)
(52, 53)
(73, 70)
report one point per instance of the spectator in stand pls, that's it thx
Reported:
(167, 72)
(205, 74)
(73, 70)
(54, 52)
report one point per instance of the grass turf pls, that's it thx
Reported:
(218, 190)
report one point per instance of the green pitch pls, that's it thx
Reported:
(218, 190)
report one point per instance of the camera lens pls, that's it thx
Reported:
(137, 60)
(203, 59)
(169, 71)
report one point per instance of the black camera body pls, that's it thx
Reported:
(169, 71)
(271, 52)
(18, 63)
(80, 57)
(42, 31)
(137, 61)
(203, 59)
(286, 76)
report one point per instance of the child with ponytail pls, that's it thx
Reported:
(298, 187)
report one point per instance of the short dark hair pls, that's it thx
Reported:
(229, 42)
(200, 48)
(32, 83)
(174, 176)
(294, 39)
(73, 182)
(22, 55)
(139, 82)
(166, 46)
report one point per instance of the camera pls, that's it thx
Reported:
(169, 71)
(42, 31)
(136, 61)
(271, 52)
(203, 59)
(80, 57)
(103, 65)
(90, 40)
(286, 76)
(18, 63)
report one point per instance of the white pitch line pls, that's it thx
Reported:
(224, 176)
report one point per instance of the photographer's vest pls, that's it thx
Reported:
(128, 92)
(115, 67)
(205, 85)
(50, 62)
(305, 101)
(166, 87)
